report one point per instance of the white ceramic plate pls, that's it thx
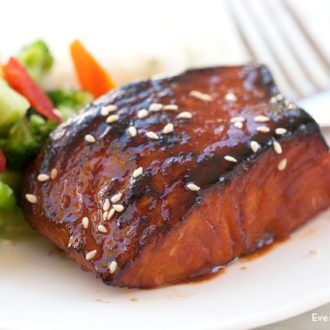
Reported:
(42, 289)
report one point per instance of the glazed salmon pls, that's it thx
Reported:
(162, 180)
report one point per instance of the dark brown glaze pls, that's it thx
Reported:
(154, 240)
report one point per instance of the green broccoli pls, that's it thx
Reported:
(69, 102)
(37, 59)
(25, 139)
(13, 107)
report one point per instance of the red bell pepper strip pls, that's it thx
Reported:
(20, 80)
(91, 76)
(2, 161)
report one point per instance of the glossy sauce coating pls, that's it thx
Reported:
(158, 200)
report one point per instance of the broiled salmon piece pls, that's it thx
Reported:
(162, 180)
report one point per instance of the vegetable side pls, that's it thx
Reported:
(28, 114)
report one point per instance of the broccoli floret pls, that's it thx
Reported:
(12, 178)
(24, 140)
(37, 59)
(13, 107)
(69, 102)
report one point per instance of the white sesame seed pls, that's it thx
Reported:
(282, 164)
(314, 252)
(118, 207)
(107, 109)
(132, 131)
(90, 138)
(116, 198)
(280, 131)
(112, 119)
(184, 115)
(105, 215)
(231, 97)
(85, 222)
(261, 119)
(263, 129)
(155, 107)
(152, 135)
(277, 147)
(137, 172)
(193, 187)
(113, 266)
(53, 173)
(169, 128)
(90, 255)
(254, 146)
(43, 177)
(230, 159)
(31, 198)
(201, 96)
(142, 113)
(110, 214)
(238, 124)
(236, 119)
(106, 205)
(170, 107)
(101, 229)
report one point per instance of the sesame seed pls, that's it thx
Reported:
(118, 207)
(236, 119)
(169, 128)
(142, 113)
(282, 164)
(105, 215)
(193, 187)
(184, 115)
(314, 252)
(261, 119)
(132, 131)
(155, 107)
(254, 146)
(238, 124)
(137, 172)
(277, 147)
(110, 214)
(263, 129)
(230, 159)
(113, 266)
(112, 119)
(116, 198)
(107, 109)
(170, 107)
(106, 205)
(53, 173)
(152, 135)
(280, 131)
(43, 177)
(230, 97)
(201, 96)
(31, 198)
(90, 138)
(101, 229)
(85, 222)
(90, 255)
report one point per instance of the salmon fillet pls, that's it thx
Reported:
(162, 180)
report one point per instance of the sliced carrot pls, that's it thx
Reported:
(20, 80)
(91, 76)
